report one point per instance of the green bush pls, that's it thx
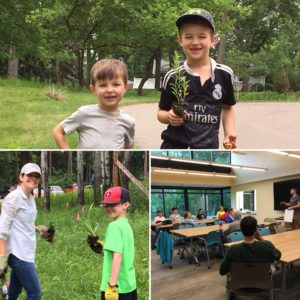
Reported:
(139, 201)
(257, 87)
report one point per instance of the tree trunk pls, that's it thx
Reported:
(13, 63)
(97, 177)
(146, 164)
(80, 177)
(115, 175)
(222, 45)
(106, 177)
(158, 58)
(147, 75)
(126, 162)
(70, 164)
(88, 68)
(221, 50)
(50, 163)
(45, 183)
(79, 67)
(58, 74)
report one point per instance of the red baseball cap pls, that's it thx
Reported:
(116, 195)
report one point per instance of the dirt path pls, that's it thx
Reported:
(259, 125)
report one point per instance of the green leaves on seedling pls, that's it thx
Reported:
(179, 87)
(92, 230)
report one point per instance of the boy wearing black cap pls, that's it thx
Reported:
(210, 90)
(118, 274)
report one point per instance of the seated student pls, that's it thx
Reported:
(230, 216)
(252, 249)
(155, 227)
(234, 226)
(175, 216)
(220, 212)
(187, 217)
(200, 214)
(224, 216)
(159, 217)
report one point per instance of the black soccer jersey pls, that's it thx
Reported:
(203, 105)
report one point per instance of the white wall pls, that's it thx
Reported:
(264, 196)
(277, 165)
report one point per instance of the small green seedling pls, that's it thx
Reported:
(179, 87)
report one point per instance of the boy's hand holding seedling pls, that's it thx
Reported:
(95, 244)
(111, 292)
(93, 240)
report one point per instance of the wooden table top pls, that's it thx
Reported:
(206, 221)
(198, 231)
(287, 242)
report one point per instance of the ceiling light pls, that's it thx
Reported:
(225, 165)
(200, 162)
(160, 157)
(200, 174)
(170, 171)
(253, 168)
(278, 152)
(294, 155)
(225, 175)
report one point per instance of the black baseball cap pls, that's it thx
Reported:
(196, 14)
(116, 195)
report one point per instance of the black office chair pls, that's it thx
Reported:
(249, 279)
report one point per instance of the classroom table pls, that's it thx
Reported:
(191, 233)
(198, 231)
(206, 221)
(288, 243)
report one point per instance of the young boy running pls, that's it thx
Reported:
(210, 90)
(102, 125)
(118, 275)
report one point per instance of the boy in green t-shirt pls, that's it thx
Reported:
(118, 274)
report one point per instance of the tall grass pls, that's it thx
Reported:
(68, 268)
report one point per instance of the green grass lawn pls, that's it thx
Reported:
(68, 268)
(28, 116)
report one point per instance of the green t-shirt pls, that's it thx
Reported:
(119, 238)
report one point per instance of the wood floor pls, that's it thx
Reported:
(189, 281)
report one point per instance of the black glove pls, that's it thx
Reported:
(95, 244)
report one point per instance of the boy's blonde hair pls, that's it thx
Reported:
(108, 69)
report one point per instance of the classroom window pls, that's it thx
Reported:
(246, 200)
(174, 198)
(157, 202)
(190, 199)
(217, 156)
(196, 200)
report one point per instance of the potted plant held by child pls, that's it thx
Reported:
(93, 240)
(179, 87)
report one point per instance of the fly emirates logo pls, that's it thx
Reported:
(200, 115)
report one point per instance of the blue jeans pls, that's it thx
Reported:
(23, 275)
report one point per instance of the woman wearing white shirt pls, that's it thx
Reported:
(17, 235)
